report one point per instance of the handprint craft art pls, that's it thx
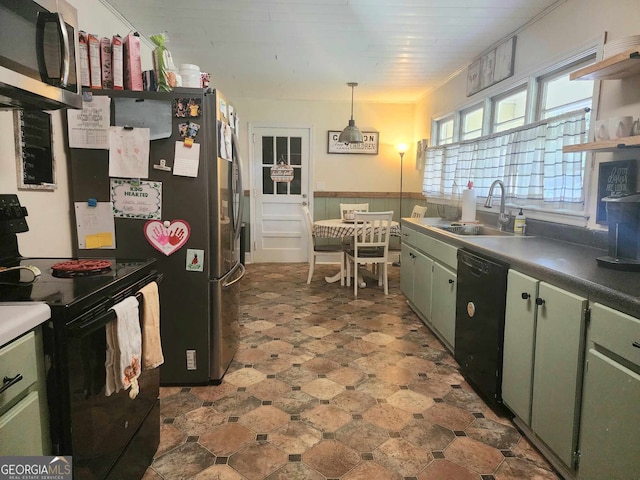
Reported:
(168, 236)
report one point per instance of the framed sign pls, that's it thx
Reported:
(34, 150)
(614, 179)
(492, 67)
(369, 146)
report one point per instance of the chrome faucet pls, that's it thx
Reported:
(503, 218)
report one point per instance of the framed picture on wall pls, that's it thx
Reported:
(615, 179)
(369, 145)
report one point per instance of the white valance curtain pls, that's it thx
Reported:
(528, 159)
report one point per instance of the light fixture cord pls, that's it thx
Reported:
(351, 102)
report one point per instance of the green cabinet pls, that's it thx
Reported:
(610, 419)
(428, 280)
(443, 303)
(543, 361)
(519, 341)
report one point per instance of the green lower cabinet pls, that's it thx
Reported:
(610, 419)
(407, 267)
(422, 284)
(443, 303)
(557, 371)
(519, 341)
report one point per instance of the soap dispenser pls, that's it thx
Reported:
(520, 223)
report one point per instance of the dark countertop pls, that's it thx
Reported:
(566, 265)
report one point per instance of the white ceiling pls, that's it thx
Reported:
(397, 50)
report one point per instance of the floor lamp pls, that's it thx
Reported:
(402, 148)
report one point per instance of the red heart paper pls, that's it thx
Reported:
(167, 237)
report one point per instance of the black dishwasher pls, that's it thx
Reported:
(480, 306)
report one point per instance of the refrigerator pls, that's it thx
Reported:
(199, 295)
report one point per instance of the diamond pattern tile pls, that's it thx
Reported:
(325, 387)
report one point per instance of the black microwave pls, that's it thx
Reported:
(38, 55)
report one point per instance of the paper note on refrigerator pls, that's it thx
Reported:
(129, 152)
(187, 160)
(95, 225)
(89, 127)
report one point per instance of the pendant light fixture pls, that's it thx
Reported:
(351, 134)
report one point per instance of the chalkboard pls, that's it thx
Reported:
(34, 150)
(614, 179)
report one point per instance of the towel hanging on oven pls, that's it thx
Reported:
(124, 349)
(151, 343)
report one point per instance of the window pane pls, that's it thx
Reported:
(282, 188)
(560, 95)
(282, 152)
(267, 183)
(472, 124)
(296, 150)
(267, 150)
(445, 131)
(510, 110)
(295, 187)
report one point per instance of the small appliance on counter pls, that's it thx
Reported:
(623, 217)
(107, 436)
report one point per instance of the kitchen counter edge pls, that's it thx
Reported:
(18, 318)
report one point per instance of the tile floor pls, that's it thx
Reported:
(325, 387)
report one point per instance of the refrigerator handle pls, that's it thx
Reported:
(240, 212)
(238, 278)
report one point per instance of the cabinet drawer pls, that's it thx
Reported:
(18, 357)
(444, 253)
(616, 332)
(408, 235)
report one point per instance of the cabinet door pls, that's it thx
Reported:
(407, 266)
(519, 341)
(609, 444)
(557, 368)
(443, 305)
(422, 283)
(20, 431)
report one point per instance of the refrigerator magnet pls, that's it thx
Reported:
(195, 260)
(167, 237)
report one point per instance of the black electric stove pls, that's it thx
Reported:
(112, 437)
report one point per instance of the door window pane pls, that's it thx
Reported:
(267, 183)
(296, 150)
(296, 184)
(282, 149)
(282, 188)
(267, 150)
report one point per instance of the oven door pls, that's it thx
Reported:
(102, 427)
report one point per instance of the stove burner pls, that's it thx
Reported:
(80, 268)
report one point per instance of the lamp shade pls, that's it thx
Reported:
(351, 133)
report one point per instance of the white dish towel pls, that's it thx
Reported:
(124, 349)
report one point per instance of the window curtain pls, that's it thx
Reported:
(528, 159)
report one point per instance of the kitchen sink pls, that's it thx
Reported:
(476, 230)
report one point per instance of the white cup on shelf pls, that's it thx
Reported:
(602, 130)
(620, 127)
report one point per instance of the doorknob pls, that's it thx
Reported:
(304, 204)
(304, 195)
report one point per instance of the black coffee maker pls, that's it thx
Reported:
(623, 217)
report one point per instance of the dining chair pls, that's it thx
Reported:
(418, 211)
(334, 251)
(352, 207)
(370, 246)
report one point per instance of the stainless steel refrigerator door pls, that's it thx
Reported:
(224, 333)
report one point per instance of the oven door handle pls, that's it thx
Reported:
(93, 324)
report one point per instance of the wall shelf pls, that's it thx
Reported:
(604, 145)
(622, 65)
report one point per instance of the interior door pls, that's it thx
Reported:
(278, 234)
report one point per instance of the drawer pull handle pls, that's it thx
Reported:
(636, 344)
(451, 281)
(539, 301)
(526, 296)
(9, 382)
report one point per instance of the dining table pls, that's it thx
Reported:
(339, 228)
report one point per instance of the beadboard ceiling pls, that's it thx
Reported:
(397, 50)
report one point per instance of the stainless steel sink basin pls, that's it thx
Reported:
(476, 231)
